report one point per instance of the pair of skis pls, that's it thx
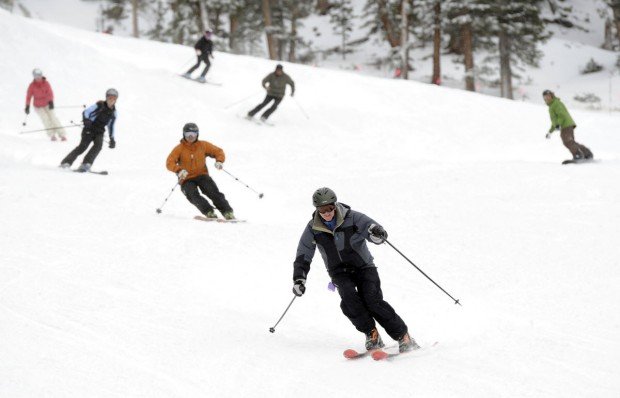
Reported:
(379, 354)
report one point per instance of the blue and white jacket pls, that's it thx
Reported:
(96, 117)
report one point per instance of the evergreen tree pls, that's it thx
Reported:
(517, 28)
(341, 16)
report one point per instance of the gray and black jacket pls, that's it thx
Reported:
(343, 250)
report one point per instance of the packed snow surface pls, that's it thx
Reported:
(102, 297)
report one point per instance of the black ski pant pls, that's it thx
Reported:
(268, 112)
(87, 138)
(207, 186)
(206, 69)
(362, 302)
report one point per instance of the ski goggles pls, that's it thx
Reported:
(326, 209)
(190, 134)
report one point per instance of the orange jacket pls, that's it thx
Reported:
(191, 157)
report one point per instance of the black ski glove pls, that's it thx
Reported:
(88, 123)
(27, 110)
(112, 143)
(51, 104)
(378, 235)
(299, 288)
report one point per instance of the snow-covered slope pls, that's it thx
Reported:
(102, 297)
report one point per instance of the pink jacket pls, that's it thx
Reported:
(41, 91)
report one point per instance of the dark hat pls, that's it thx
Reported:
(548, 92)
(279, 67)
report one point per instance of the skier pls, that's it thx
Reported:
(43, 95)
(275, 84)
(341, 234)
(561, 120)
(96, 117)
(187, 160)
(204, 51)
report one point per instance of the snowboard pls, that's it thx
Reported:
(222, 220)
(578, 161)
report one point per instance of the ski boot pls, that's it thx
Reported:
(229, 215)
(64, 165)
(202, 79)
(187, 75)
(406, 343)
(53, 138)
(373, 340)
(211, 214)
(84, 167)
(63, 138)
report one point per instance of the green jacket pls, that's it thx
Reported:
(559, 115)
(277, 84)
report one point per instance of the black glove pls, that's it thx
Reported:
(112, 143)
(557, 127)
(299, 288)
(88, 123)
(27, 110)
(51, 104)
(377, 234)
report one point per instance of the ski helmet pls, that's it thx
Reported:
(548, 92)
(36, 72)
(191, 128)
(279, 67)
(111, 92)
(323, 196)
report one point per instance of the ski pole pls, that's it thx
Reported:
(51, 128)
(260, 195)
(242, 100)
(70, 106)
(158, 211)
(300, 108)
(273, 328)
(410, 262)
(187, 62)
(24, 122)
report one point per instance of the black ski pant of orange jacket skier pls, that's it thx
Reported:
(208, 187)
(362, 301)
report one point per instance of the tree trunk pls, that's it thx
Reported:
(437, 44)
(292, 44)
(468, 54)
(271, 45)
(387, 24)
(134, 18)
(505, 73)
(232, 34)
(204, 16)
(616, 10)
(404, 40)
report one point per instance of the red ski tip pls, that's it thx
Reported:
(350, 354)
(379, 355)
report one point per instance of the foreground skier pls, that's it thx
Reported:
(341, 234)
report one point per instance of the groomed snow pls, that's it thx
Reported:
(102, 297)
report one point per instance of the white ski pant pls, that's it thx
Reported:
(50, 121)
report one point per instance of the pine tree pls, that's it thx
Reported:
(341, 16)
(517, 28)
(461, 15)
(614, 5)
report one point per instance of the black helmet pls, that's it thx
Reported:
(323, 196)
(279, 67)
(548, 92)
(190, 127)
